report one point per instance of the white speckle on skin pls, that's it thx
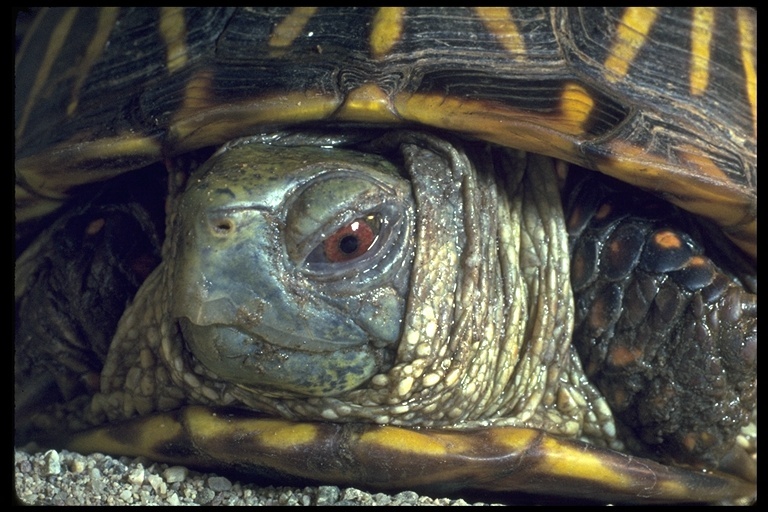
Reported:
(430, 380)
(380, 380)
(191, 380)
(452, 377)
(405, 386)
(329, 414)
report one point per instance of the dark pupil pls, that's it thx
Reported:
(349, 244)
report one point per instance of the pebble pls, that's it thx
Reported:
(219, 483)
(175, 474)
(103, 480)
(52, 463)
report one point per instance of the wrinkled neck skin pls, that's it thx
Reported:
(488, 322)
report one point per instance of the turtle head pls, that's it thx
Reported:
(291, 267)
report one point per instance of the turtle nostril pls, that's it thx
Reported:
(223, 226)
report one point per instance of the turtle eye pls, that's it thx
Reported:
(351, 241)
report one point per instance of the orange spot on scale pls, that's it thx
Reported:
(619, 397)
(95, 226)
(689, 441)
(622, 356)
(598, 317)
(577, 267)
(667, 240)
(697, 261)
(603, 211)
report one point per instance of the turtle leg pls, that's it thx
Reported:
(663, 327)
(72, 285)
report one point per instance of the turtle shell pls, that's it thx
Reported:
(663, 99)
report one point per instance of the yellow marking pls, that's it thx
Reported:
(701, 39)
(501, 124)
(66, 165)
(284, 434)
(31, 206)
(112, 148)
(500, 23)
(197, 93)
(518, 439)
(562, 459)
(199, 124)
(107, 18)
(405, 440)
(748, 45)
(290, 27)
(173, 29)
(630, 37)
(149, 432)
(55, 45)
(576, 104)
(704, 165)
(368, 103)
(202, 425)
(386, 30)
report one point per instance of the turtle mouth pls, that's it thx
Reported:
(281, 362)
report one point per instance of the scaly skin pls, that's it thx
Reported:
(461, 362)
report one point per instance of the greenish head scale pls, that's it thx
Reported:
(292, 266)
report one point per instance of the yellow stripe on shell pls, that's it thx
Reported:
(406, 441)
(53, 172)
(748, 47)
(290, 27)
(386, 30)
(270, 433)
(202, 123)
(701, 40)
(173, 29)
(368, 103)
(576, 105)
(499, 22)
(55, 45)
(153, 431)
(499, 124)
(630, 37)
(564, 460)
(31, 206)
(107, 18)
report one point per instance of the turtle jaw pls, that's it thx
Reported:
(270, 364)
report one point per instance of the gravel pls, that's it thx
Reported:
(67, 478)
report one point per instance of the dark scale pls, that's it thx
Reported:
(660, 321)
(87, 267)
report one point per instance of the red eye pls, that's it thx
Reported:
(349, 242)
